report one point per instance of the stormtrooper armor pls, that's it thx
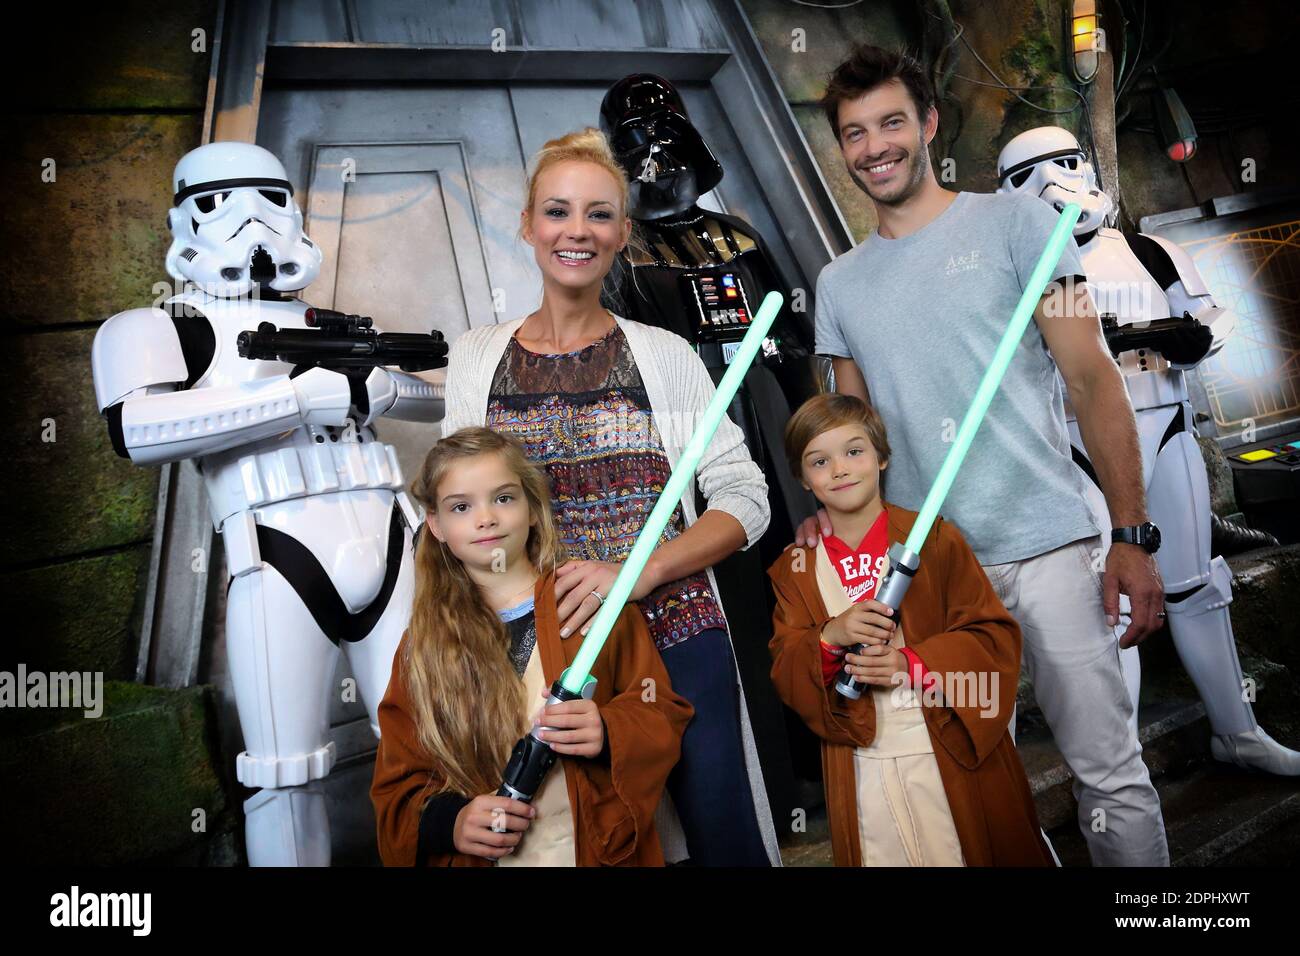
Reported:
(309, 503)
(1148, 284)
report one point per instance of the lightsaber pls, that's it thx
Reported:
(532, 758)
(905, 557)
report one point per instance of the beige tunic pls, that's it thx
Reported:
(903, 813)
(548, 841)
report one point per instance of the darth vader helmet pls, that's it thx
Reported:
(668, 164)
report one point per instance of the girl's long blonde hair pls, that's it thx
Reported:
(468, 702)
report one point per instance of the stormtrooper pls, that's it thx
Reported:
(1160, 319)
(309, 504)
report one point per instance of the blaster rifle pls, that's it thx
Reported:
(337, 341)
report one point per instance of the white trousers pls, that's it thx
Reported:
(1072, 658)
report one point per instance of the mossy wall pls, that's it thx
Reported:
(1220, 60)
(101, 108)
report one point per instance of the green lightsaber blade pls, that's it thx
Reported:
(678, 482)
(988, 386)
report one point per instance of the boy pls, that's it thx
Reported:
(921, 771)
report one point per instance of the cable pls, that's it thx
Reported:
(1002, 83)
(1190, 187)
(1083, 100)
(1137, 56)
(1123, 30)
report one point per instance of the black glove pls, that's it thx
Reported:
(1187, 344)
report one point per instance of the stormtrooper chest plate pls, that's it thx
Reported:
(302, 461)
(1119, 283)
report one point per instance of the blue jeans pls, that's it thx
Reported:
(709, 785)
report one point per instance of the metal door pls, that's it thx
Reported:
(405, 126)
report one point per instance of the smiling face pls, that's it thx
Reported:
(840, 467)
(482, 514)
(577, 224)
(884, 143)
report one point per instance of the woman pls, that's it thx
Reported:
(606, 406)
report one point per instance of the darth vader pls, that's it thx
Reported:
(701, 273)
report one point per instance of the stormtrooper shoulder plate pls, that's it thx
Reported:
(1120, 282)
(1167, 262)
(144, 348)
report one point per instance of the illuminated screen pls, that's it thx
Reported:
(1251, 261)
(1257, 455)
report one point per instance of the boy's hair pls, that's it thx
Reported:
(830, 410)
(866, 68)
(468, 702)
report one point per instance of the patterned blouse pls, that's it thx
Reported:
(585, 418)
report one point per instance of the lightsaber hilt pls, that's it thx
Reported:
(903, 564)
(532, 756)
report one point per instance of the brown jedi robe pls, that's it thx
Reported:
(955, 623)
(613, 800)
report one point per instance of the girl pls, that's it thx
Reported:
(479, 657)
(606, 407)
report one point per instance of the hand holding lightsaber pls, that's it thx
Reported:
(905, 557)
(532, 758)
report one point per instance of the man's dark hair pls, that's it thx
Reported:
(866, 68)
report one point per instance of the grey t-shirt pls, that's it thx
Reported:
(922, 316)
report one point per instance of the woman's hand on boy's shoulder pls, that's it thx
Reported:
(807, 534)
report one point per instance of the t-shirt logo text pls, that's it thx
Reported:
(964, 263)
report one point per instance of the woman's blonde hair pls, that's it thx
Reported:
(586, 146)
(468, 702)
(591, 146)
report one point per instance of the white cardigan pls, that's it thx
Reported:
(679, 388)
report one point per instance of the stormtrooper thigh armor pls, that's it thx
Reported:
(1198, 590)
(323, 589)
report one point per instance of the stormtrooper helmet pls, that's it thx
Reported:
(669, 166)
(234, 224)
(1049, 163)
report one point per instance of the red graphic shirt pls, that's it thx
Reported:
(860, 570)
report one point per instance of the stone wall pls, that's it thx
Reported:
(101, 107)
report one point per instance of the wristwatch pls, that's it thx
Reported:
(1146, 536)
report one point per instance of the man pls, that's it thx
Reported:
(911, 318)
